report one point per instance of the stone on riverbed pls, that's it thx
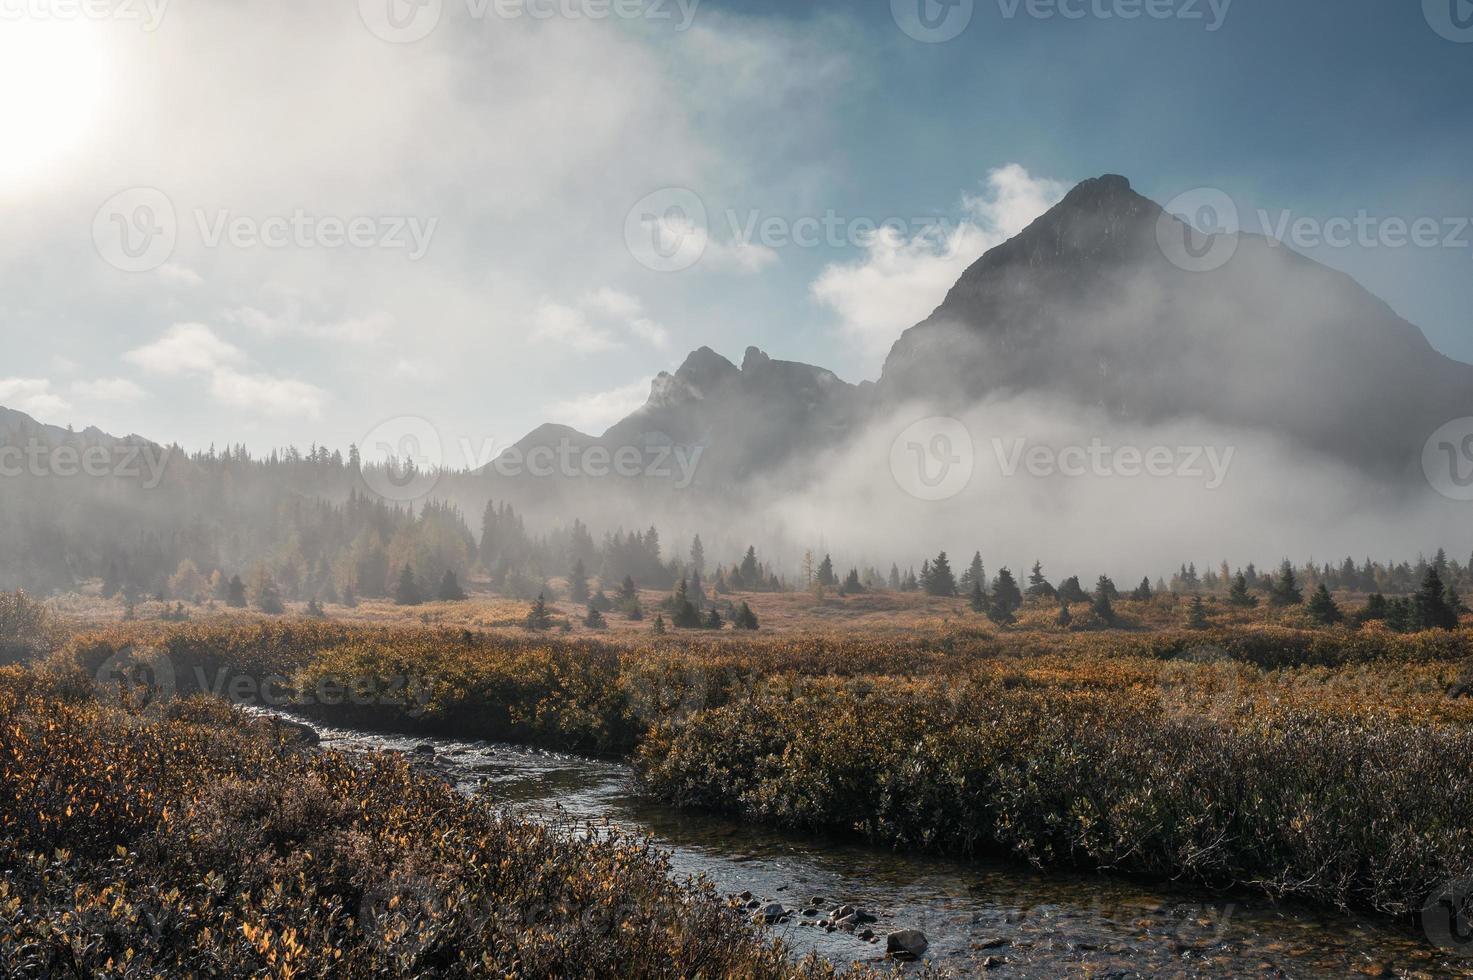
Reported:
(296, 731)
(771, 912)
(906, 944)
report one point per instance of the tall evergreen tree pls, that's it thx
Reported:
(941, 582)
(578, 582)
(697, 555)
(1038, 585)
(1143, 592)
(450, 590)
(1102, 608)
(1006, 596)
(407, 591)
(1322, 608)
(538, 618)
(978, 599)
(1238, 595)
(1286, 591)
(826, 573)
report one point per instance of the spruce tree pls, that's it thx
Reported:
(713, 620)
(1070, 591)
(578, 582)
(683, 614)
(1038, 586)
(538, 618)
(1322, 608)
(941, 582)
(450, 590)
(1286, 591)
(235, 596)
(1102, 608)
(979, 598)
(745, 618)
(1006, 597)
(1143, 592)
(659, 625)
(1197, 613)
(1430, 610)
(594, 620)
(406, 592)
(826, 573)
(1238, 595)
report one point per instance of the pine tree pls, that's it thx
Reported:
(235, 596)
(659, 626)
(1322, 608)
(1102, 608)
(538, 618)
(595, 619)
(745, 618)
(578, 582)
(1238, 595)
(1143, 592)
(697, 555)
(268, 599)
(1286, 591)
(1197, 613)
(749, 571)
(683, 614)
(852, 585)
(406, 592)
(978, 599)
(826, 573)
(1430, 610)
(1038, 586)
(941, 582)
(450, 590)
(713, 620)
(974, 573)
(1006, 597)
(894, 581)
(1070, 591)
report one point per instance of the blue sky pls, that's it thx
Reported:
(517, 149)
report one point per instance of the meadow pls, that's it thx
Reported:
(1323, 765)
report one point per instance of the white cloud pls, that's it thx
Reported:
(901, 280)
(119, 390)
(186, 348)
(612, 302)
(292, 322)
(183, 274)
(32, 396)
(568, 327)
(617, 314)
(598, 411)
(273, 396)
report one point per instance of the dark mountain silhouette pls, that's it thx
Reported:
(1086, 304)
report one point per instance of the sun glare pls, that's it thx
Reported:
(52, 78)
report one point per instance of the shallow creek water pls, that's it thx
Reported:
(994, 918)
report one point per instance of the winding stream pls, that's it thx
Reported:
(980, 917)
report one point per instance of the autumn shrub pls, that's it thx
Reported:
(201, 844)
